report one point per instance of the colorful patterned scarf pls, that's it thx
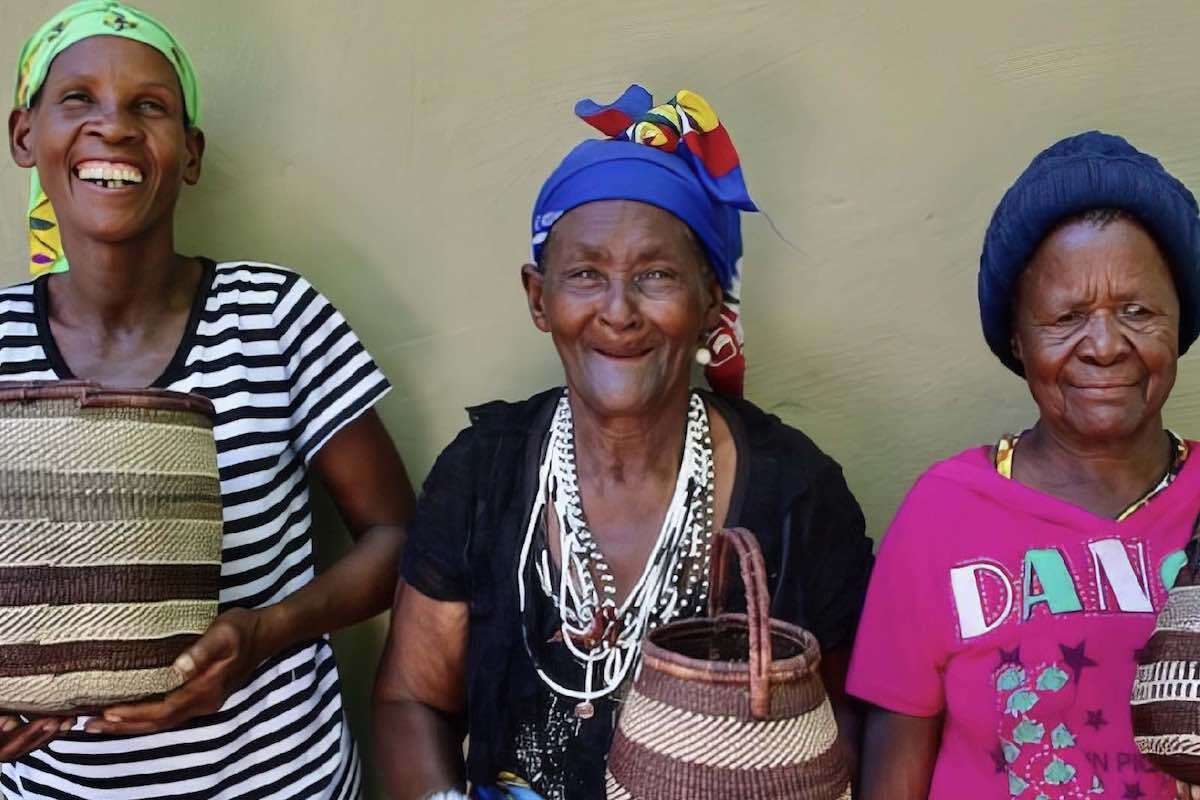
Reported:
(74, 23)
(679, 157)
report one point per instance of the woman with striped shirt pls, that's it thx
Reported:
(106, 113)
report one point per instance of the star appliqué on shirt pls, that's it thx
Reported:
(998, 759)
(1012, 657)
(1076, 659)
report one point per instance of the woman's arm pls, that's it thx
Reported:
(846, 710)
(420, 697)
(898, 755)
(366, 479)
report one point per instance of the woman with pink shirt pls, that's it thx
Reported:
(1018, 580)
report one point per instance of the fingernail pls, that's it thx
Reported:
(185, 665)
(51, 727)
(66, 725)
(10, 725)
(1196, 793)
(111, 717)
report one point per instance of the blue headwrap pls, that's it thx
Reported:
(1088, 171)
(676, 156)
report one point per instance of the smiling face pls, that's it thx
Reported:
(626, 296)
(1096, 326)
(108, 137)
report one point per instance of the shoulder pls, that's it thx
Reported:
(20, 341)
(249, 289)
(277, 296)
(501, 428)
(255, 274)
(476, 477)
(770, 438)
(505, 416)
(254, 282)
(961, 473)
(944, 496)
(16, 291)
(17, 299)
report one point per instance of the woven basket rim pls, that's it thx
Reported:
(90, 394)
(723, 672)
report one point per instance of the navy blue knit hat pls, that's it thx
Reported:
(1088, 171)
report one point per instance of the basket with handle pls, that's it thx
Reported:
(110, 542)
(730, 705)
(1166, 687)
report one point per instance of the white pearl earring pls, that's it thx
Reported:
(703, 356)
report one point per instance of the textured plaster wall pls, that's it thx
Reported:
(391, 151)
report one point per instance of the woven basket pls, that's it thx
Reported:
(1166, 689)
(110, 542)
(730, 705)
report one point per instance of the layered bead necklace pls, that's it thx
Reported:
(603, 638)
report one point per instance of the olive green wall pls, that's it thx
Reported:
(391, 151)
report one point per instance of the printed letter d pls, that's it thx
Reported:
(972, 619)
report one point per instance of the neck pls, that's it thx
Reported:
(1125, 465)
(121, 285)
(626, 449)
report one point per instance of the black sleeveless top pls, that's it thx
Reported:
(464, 545)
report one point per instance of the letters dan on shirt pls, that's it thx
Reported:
(1112, 576)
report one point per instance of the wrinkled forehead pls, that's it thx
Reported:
(627, 228)
(108, 57)
(1085, 259)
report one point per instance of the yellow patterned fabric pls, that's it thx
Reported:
(1006, 447)
(1004, 454)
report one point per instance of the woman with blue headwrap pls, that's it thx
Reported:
(553, 533)
(106, 118)
(1034, 568)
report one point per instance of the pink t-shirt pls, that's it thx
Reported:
(1018, 616)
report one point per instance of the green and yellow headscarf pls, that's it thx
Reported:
(74, 23)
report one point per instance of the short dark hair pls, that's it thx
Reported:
(1100, 217)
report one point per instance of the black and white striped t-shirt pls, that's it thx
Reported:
(285, 372)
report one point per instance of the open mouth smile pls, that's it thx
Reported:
(624, 355)
(108, 174)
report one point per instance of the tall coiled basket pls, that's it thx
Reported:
(730, 705)
(110, 542)
(1166, 688)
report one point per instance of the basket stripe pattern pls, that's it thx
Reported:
(110, 542)
(687, 736)
(705, 722)
(1166, 689)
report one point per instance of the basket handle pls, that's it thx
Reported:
(94, 396)
(89, 394)
(758, 606)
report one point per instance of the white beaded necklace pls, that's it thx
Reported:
(601, 636)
